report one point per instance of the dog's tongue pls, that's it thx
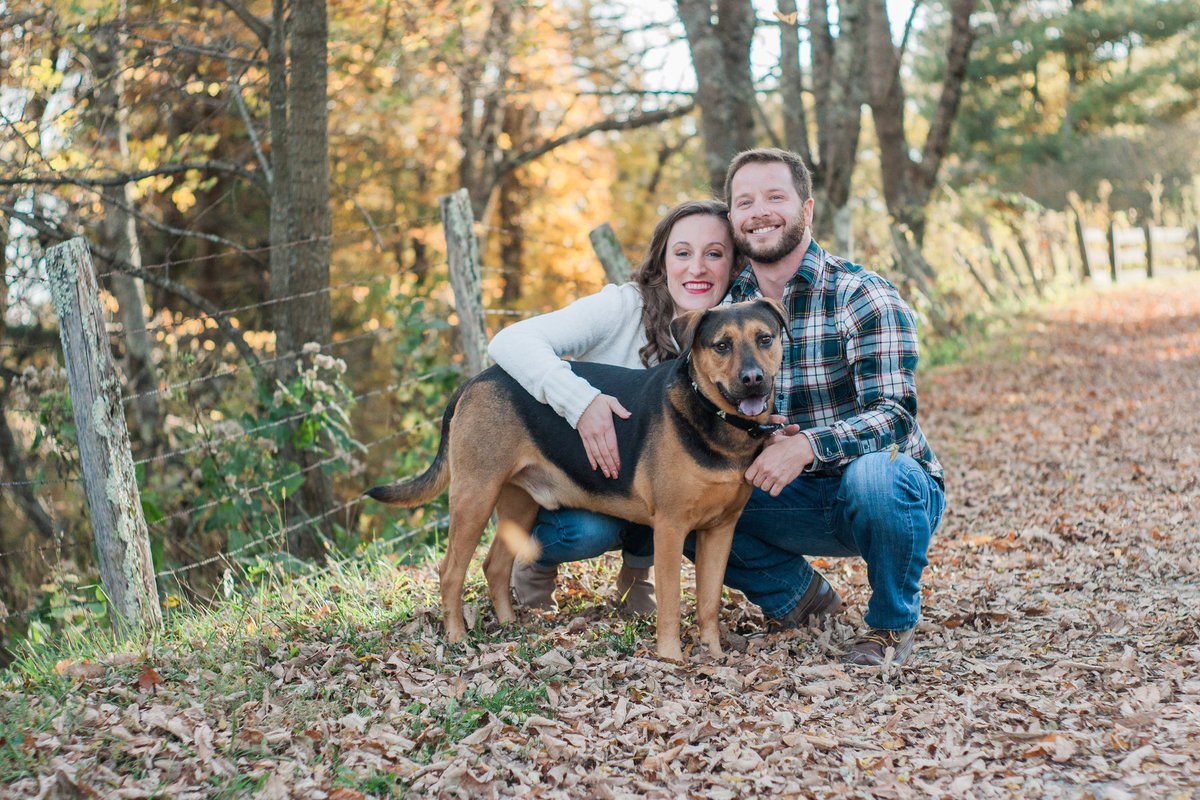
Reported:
(752, 406)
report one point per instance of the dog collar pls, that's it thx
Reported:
(757, 430)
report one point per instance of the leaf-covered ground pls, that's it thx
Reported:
(1057, 656)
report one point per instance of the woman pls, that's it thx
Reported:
(687, 266)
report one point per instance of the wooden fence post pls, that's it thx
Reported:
(1114, 251)
(1023, 249)
(109, 481)
(462, 253)
(608, 250)
(1081, 235)
(1150, 255)
(963, 261)
(985, 232)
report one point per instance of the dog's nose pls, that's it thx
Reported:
(752, 377)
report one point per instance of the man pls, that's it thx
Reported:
(852, 474)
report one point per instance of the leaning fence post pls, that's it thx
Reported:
(109, 482)
(462, 253)
(1081, 235)
(608, 250)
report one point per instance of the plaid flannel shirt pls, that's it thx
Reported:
(847, 374)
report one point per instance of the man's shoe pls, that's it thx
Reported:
(533, 586)
(820, 601)
(871, 650)
(635, 591)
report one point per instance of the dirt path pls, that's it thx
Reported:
(1057, 657)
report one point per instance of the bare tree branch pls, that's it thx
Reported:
(257, 26)
(628, 123)
(122, 178)
(186, 294)
(251, 131)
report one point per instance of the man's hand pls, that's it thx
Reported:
(783, 459)
(599, 437)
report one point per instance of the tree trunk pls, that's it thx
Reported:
(281, 197)
(309, 318)
(908, 186)
(725, 93)
(118, 233)
(312, 225)
(791, 85)
(301, 224)
(513, 196)
(483, 116)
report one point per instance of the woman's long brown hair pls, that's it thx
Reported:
(658, 309)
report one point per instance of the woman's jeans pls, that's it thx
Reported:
(571, 534)
(882, 508)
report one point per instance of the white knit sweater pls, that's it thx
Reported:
(605, 328)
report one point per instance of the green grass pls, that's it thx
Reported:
(226, 654)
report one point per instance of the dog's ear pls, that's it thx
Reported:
(684, 328)
(777, 310)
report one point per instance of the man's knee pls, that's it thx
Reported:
(880, 483)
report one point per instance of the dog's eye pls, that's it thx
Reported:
(721, 347)
(765, 340)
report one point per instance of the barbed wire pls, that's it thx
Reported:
(19, 410)
(42, 482)
(127, 399)
(38, 548)
(187, 512)
(414, 223)
(273, 301)
(263, 540)
(292, 418)
(45, 610)
(409, 534)
(585, 240)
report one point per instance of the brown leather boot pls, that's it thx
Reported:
(533, 586)
(871, 650)
(819, 602)
(635, 591)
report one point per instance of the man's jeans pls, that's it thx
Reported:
(571, 534)
(881, 508)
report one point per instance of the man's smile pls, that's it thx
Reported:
(761, 229)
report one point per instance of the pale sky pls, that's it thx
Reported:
(677, 73)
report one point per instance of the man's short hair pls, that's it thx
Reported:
(801, 177)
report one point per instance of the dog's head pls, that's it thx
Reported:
(735, 352)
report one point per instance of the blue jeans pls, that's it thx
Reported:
(881, 508)
(572, 534)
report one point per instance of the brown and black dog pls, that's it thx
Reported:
(697, 423)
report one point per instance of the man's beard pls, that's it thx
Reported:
(792, 235)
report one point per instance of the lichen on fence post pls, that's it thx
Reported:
(109, 482)
(462, 254)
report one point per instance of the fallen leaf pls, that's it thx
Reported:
(148, 679)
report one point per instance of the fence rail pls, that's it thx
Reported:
(1122, 253)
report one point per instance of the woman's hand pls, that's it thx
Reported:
(599, 437)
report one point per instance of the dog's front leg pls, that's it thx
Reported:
(712, 554)
(668, 559)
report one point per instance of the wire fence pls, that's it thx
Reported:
(183, 559)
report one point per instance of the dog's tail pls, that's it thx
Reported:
(420, 489)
